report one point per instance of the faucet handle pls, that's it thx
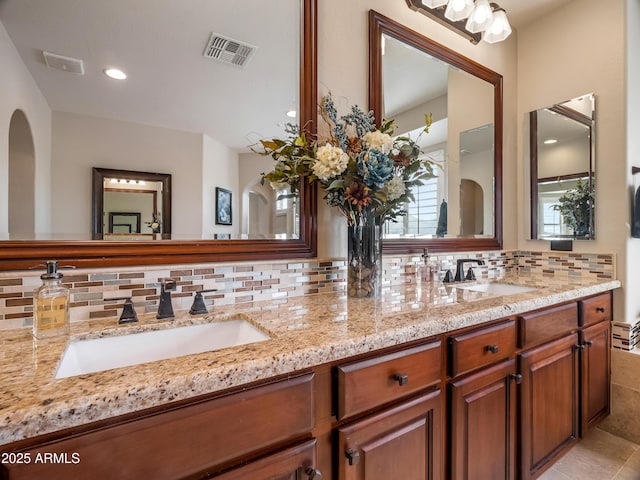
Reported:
(128, 314)
(470, 274)
(198, 307)
(447, 276)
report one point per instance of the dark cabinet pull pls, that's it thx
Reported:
(516, 377)
(313, 473)
(588, 343)
(353, 456)
(492, 348)
(401, 378)
(601, 309)
(579, 347)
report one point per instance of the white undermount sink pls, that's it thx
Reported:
(497, 288)
(96, 355)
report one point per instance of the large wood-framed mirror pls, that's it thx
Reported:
(79, 250)
(410, 75)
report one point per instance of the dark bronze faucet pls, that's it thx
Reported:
(460, 268)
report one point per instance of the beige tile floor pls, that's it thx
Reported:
(598, 456)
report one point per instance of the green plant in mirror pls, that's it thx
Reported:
(576, 207)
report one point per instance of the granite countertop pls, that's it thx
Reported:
(305, 332)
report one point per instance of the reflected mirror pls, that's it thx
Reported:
(563, 170)
(410, 77)
(130, 205)
(222, 76)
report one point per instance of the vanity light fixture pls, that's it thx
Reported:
(434, 3)
(458, 9)
(473, 19)
(480, 18)
(115, 73)
(498, 29)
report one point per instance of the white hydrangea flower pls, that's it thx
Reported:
(330, 162)
(395, 188)
(377, 140)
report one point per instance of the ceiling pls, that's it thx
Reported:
(159, 43)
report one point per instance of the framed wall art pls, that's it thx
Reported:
(223, 206)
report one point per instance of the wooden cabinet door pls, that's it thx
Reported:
(549, 403)
(483, 424)
(295, 463)
(595, 374)
(401, 442)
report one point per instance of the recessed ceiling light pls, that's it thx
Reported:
(115, 73)
(292, 113)
(550, 141)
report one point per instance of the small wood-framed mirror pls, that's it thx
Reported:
(119, 195)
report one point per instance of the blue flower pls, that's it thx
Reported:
(375, 168)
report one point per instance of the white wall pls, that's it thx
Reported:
(578, 49)
(219, 169)
(343, 70)
(19, 91)
(80, 142)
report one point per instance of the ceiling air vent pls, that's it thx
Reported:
(68, 64)
(227, 50)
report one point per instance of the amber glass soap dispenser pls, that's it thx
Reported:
(51, 316)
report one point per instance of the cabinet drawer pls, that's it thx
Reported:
(547, 324)
(375, 381)
(481, 347)
(184, 441)
(595, 309)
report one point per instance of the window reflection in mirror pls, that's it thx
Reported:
(563, 170)
(459, 202)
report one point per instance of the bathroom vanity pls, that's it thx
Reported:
(436, 382)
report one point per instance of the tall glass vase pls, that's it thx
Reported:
(364, 268)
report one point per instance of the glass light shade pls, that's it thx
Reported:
(480, 18)
(458, 9)
(498, 29)
(434, 3)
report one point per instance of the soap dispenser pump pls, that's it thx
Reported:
(51, 316)
(424, 272)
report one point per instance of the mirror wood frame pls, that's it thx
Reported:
(22, 254)
(379, 25)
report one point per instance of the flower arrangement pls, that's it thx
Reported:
(363, 170)
(155, 223)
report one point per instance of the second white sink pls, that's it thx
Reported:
(96, 355)
(497, 288)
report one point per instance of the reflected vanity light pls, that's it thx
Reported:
(550, 141)
(292, 113)
(484, 19)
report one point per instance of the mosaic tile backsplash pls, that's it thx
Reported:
(95, 293)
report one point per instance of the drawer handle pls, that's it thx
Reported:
(588, 343)
(516, 377)
(401, 378)
(313, 473)
(491, 348)
(601, 309)
(353, 456)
